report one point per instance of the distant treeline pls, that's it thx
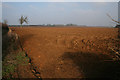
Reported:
(46, 25)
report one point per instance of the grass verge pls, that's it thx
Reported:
(11, 62)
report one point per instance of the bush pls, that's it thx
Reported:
(5, 29)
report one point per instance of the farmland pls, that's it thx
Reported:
(71, 52)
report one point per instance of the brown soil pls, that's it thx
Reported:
(62, 52)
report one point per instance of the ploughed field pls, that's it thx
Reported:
(71, 52)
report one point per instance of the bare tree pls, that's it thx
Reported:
(112, 19)
(22, 20)
(117, 26)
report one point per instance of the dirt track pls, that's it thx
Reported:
(70, 52)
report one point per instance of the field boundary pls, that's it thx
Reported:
(34, 71)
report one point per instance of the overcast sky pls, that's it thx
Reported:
(81, 13)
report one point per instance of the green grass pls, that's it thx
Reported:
(8, 69)
(11, 61)
(21, 59)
